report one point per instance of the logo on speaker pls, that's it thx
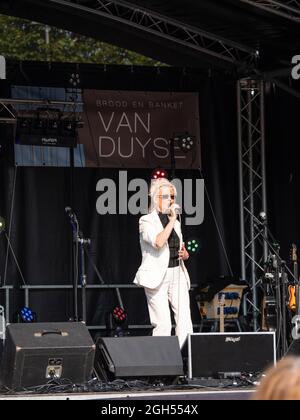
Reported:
(232, 340)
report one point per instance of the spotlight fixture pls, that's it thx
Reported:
(25, 315)
(39, 125)
(24, 125)
(192, 246)
(159, 173)
(74, 79)
(262, 216)
(185, 141)
(116, 322)
(46, 127)
(119, 315)
(53, 126)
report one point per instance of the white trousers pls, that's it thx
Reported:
(172, 292)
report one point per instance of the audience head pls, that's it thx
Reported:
(281, 382)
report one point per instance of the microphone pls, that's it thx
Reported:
(71, 213)
(176, 208)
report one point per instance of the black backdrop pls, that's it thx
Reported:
(40, 232)
(283, 152)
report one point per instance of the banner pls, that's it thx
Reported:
(125, 129)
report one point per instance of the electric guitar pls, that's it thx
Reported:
(221, 306)
(294, 305)
(294, 295)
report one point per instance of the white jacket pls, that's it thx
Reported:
(155, 261)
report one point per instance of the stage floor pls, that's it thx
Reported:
(236, 393)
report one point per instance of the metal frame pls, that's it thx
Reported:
(12, 114)
(28, 288)
(252, 188)
(289, 9)
(7, 290)
(166, 28)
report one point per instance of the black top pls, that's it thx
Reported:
(173, 241)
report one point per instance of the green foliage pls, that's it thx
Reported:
(24, 40)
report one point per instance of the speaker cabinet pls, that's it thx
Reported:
(38, 352)
(124, 357)
(218, 354)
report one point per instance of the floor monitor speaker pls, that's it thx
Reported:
(128, 357)
(35, 353)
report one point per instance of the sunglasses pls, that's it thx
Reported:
(167, 196)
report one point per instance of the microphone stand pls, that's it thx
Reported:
(280, 287)
(82, 243)
(79, 255)
(74, 263)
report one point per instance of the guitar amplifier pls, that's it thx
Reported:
(232, 296)
(216, 354)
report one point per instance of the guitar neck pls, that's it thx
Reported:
(222, 327)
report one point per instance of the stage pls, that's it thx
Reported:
(204, 394)
(234, 389)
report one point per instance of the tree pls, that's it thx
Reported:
(21, 39)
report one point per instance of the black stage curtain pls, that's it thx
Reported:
(283, 173)
(40, 230)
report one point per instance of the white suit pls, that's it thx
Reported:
(163, 285)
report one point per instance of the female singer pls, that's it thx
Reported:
(162, 272)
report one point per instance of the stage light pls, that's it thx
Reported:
(262, 216)
(116, 322)
(119, 315)
(192, 246)
(25, 315)
(53, 125)
(39, 125)
(24, 125)
(2, 224)
(46, 127)
(185, 141)
(68, 128)
(159, 173)
(74, 80)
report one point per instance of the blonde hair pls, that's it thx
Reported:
(282, 382)
(156, 185)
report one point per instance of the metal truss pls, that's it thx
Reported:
(290, 9)
(9, 108)
(167, 29)
(7, 114)
(252, 176)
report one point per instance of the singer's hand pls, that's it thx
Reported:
(183, 254)
(172, 214)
